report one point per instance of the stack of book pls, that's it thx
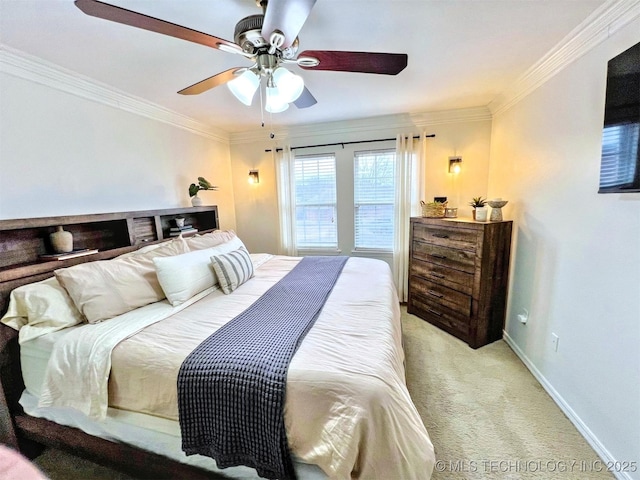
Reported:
(176, 231)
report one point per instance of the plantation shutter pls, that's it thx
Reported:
(315, 201)
(374, 194)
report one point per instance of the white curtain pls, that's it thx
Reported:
(410, 158)
(284, 161)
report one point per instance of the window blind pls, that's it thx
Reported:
(315, 201)
(619, 153)
(374, 196)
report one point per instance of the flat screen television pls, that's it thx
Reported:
(620, 160)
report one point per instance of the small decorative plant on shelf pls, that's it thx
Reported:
(203, 184)
(477, 202)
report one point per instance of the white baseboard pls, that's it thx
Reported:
(589, 436)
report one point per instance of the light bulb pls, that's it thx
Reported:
(455, 165)
(244, 86)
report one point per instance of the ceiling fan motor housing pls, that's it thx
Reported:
(248, 34)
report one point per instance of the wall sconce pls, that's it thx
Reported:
(455, 164)
(254, 177)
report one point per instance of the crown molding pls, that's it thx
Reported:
(29, 67)
(597, 27)
(407, 122)
(460, 115)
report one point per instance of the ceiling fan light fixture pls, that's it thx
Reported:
(275, 101)
(244, 86)
(289, 84)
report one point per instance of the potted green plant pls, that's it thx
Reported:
(203, 184)
(477, 202)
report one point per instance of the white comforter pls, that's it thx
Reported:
(347, 407)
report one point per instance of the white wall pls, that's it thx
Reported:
(466, 133)
(61, 154)
(576, 259)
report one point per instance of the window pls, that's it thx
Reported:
(619, 156)
(315, 201)
(374, 196)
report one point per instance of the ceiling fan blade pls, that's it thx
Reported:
(139, 20)
(363, 62)
(211, 82)
(305, 100)
(287, 16)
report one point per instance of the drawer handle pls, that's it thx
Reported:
(437, 275)
(435, 294)
(440, 235)
(441, 257)
(434, 312)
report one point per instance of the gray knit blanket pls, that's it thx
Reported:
(231, 388)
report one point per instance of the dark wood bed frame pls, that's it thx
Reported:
(21, 243)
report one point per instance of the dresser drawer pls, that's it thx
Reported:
(450, 321)
(449, 277)
(448, 257)
(464, 239)
(441, 295)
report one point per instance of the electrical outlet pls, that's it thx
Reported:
(523, 316)
(554, 341)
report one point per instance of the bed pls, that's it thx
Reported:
(348, 413)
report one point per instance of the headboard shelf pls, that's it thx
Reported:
(23, 241)
(28, 269)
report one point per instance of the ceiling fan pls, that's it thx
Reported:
(270, 40)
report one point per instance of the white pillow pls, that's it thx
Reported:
(232, 269)
(184, 276)
(107, 288)
(211, 239)
(40, 308)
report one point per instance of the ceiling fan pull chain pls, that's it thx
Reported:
(261, 106)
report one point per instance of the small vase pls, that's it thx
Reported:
(196, 201)
(496, 209)
(61, 241)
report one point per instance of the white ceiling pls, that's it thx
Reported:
(462, 53)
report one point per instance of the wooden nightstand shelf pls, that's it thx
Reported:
(458, 276)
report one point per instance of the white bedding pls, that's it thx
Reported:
(347, 409)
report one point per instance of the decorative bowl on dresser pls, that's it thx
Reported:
(458, 276)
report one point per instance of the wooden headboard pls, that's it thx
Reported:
(24, 241)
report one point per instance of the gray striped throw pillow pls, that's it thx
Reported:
(232, 269)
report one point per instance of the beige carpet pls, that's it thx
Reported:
(486, 414)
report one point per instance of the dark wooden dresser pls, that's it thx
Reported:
(458, 276)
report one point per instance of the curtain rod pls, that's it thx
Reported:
(349, 143)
